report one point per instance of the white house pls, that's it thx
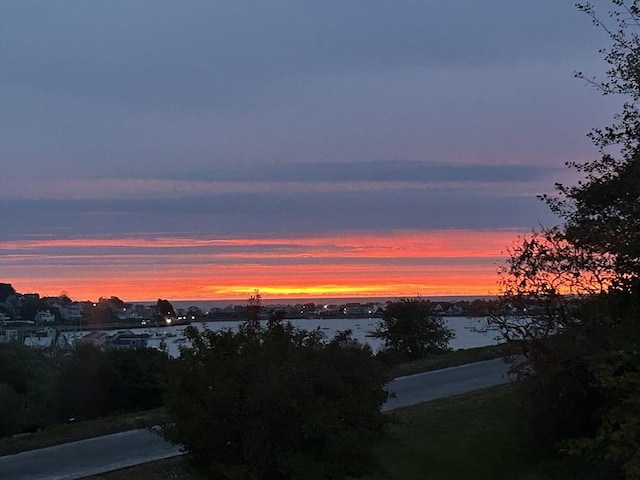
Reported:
(44, 317)
(41, 338)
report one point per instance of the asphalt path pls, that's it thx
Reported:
(111, 452)
(446, 382)
(87, 457)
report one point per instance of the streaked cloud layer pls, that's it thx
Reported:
(394, 264)
(254, 136)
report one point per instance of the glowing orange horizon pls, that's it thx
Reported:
(398, 264)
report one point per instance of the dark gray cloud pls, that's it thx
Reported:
(297, 92)
(221, 53)
(270, 215)
(372, 171)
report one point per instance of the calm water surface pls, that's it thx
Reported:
(470, 332)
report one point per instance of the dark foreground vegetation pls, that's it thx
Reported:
(479, 436)
(271, 402)
(582, 345)
(275, 403)
(39, 390)
(78, 430)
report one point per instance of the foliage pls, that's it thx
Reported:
(27, 387)
(29, 308)
(141, 378)
(473, 436)
(11, 405)
(572, 293)
(100, 313)
(602, 213)
(410, 330)
(86, 382)
(616, 440)
(164, 310)
(38, 389)
(254, 308)
(273, 401)
(6, 291)
(94, 383)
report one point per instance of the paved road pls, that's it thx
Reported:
(423, 387)
(102, 454)
(87, 457)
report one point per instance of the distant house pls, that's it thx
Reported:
(71, 313)
(96, 337)
(129, 312)
(355, 309)
(44, 317)
(128, 339)
(9, 336)
(44, 338)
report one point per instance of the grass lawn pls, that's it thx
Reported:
(473, 436)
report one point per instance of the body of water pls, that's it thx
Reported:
(470, 332)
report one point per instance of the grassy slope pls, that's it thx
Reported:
(477, 435)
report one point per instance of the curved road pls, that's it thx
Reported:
(87, 457)
(423, 387)
(111, 452)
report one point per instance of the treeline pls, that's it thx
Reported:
(270, 401)
(38, 390)
(109, 311)
(580, 375)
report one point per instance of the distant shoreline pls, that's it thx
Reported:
(267, 301)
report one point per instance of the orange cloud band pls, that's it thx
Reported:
(449, 262)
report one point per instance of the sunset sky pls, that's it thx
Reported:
(204, 149)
